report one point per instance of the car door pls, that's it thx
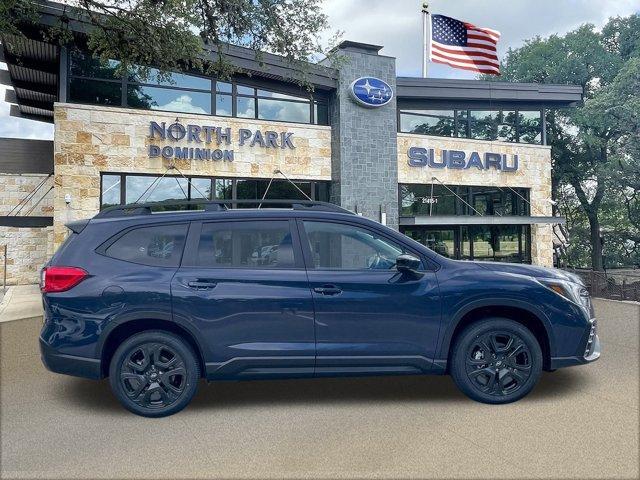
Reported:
(243, 286)
(369, 318)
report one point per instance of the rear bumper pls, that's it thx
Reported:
(69, 364)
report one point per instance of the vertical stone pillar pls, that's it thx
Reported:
(364, 140)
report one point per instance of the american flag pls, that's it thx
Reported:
(463, 45)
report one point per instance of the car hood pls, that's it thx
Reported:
(530, 270)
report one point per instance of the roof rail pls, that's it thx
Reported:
(213, 206)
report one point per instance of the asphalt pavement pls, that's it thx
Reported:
(580, 422)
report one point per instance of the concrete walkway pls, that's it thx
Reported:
(20, 302)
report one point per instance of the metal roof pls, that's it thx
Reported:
(477, 91)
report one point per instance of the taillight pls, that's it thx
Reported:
(60, 279)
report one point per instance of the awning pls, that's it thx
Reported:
(480, 220)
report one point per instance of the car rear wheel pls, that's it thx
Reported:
(496, 360)
(154, 374)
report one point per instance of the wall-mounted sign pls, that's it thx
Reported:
(371, 92)
(208, 134)
(425, 157)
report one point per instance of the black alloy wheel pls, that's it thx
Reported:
(496, 361)
(154, 374)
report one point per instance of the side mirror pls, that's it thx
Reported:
(407, 263)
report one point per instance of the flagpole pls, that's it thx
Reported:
(426, 37)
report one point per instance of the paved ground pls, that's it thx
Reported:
(21, 301)
(580, 423)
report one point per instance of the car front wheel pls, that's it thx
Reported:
(154, 374)
(496, 360)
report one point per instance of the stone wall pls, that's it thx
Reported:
(92, 139)
(534, 173)
(15, 188)
(27, 248)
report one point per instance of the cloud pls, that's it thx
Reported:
(397, 25)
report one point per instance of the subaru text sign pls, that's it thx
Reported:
(371, 92)
(457, 159)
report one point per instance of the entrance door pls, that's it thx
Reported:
(244, 286)
(369, 318)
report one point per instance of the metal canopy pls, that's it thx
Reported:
(469, 92)
(480, 220)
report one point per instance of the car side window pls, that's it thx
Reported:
(159, 246)
(340, 246)
(246, 244)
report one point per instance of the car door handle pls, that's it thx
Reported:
(328, 290)
(202, 285)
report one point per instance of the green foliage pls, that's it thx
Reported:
(596, 146)
(172, 35)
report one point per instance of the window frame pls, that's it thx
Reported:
(192, 243)
(125, 82)
(308, 255)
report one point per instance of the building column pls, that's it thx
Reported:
(364, 140)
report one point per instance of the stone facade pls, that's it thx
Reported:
(534, 173)
(364, 141)
(27, 248)
(90, 139)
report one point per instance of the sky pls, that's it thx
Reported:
(397, 25)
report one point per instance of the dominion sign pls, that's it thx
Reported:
(199, 136)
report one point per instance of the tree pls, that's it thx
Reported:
(172, 35)
(594, 146)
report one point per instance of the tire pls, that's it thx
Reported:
(517, 361)
(140, 374)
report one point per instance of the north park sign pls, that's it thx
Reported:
(201, 135)
(457, 159)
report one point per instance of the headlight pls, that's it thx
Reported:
(574, 292)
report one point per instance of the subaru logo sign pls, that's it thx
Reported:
(371, 92)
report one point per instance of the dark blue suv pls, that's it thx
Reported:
(156, 300)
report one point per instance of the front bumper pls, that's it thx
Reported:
(590, 350)
(69, 364)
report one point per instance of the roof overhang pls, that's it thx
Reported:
(447, 220)
(467, 93)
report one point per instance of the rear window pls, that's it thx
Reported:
(241, 244)
(156, 246)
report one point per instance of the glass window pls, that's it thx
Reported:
(267, 93)
(497, 243)
(157, 98)
(285, 111)
(157, 246)
(224, 87)
(506, 124)
(346, 247)
(201, 188)
(153, 189)
(322, 191)
(83, 64)
(246, 244)
(428, 122)
(110, 190)
(245, 107)
(224, 105)
(529, 127)
(95, 92)
(152, 75)
(321, 113)
(483, 125)
(418, 200)
(441, 241)
(462, 119)
(242, 90)
(223, 188)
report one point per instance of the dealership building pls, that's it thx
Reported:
(462, 166)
